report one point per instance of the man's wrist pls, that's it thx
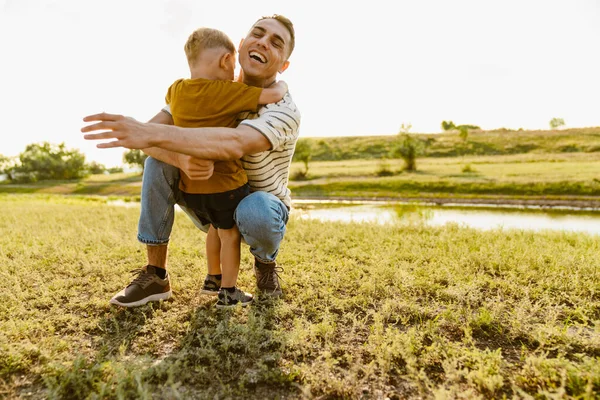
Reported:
(156, 135)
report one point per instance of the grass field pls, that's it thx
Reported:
(370, 312)
(568, 176)
(517, 175)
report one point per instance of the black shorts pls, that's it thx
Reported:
(216, 208)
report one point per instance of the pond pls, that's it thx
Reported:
(476, 217)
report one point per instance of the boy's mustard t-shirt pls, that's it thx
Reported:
(205, 103)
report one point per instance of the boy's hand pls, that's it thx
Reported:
(282, 85)
(196, 168)
(240, 77)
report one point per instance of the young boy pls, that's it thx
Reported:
(211, 98)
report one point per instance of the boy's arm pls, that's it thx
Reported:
(274, 93)
(162, 117)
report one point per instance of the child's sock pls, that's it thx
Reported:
(229, 289)
(161, 272)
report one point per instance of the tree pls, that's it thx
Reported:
(448, 126)
(470, 127)
(7, 166)
(408, 148)
(405, 128)
(135, 157)
(463, 132)
(95, 168)
(303, 152)
(46, 161)
(556, 123)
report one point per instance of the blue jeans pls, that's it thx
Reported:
(261, 217)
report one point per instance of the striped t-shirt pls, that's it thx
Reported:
(269, 171)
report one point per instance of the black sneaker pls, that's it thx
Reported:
(267, 278)
(230, 300)
(147, 286)
(211, 285)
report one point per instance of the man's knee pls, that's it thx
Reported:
(262, 211)
(261, 219)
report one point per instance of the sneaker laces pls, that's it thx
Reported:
(141, 276)
(267, 278)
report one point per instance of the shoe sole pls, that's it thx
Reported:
(219, 306)
(209, 292)
(153, 297)
(273, 295)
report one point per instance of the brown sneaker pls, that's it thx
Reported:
(267, 278)
(147, 286)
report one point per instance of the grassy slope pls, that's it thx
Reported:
(537, 165)
(498, 142)
(371, 312)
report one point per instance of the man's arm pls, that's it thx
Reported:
(193, 167)
(166, 156)
(203, 143)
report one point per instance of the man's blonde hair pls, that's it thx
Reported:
(204, 39)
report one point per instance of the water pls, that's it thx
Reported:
(480, 218)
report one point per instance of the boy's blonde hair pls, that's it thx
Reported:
(206, 38)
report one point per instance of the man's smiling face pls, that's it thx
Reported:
(264, 52)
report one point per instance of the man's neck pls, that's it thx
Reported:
(259, 82)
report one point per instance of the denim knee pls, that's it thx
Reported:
(261, 218)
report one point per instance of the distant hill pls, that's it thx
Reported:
(495, 142)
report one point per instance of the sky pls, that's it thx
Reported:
(359, 68)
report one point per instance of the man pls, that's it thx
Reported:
(265, 145)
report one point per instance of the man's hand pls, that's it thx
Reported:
(129, 133)
(195, 168)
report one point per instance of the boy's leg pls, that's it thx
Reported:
(230, 256)
(212, 282)
(261, 218)
(229, 294)
(213, 251)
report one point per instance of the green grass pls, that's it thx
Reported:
(480, 143)
(519, 167)
(526, 175)
(370, 312)
(570, 176)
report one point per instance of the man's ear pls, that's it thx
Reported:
(284, 67)
(240, 45)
